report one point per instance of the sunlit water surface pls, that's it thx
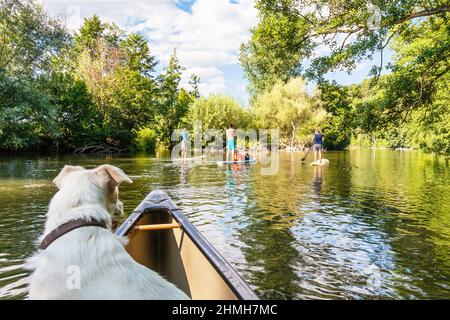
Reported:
(372, 224)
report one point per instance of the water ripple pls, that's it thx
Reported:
(371, 225)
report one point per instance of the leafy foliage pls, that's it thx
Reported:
(145, 140)
(217, 112)
(78, 122)
(335, 100)
(353, 30)
(98, 86)
(283, 46)
(29, 38)
(427, 128)
(101, 85)
(25, 114)
(274, 52)
(173, 101)
(289, 108)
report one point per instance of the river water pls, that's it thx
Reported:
(373, 224)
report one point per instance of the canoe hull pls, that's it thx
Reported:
(181, 255)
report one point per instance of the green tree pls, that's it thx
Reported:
(420, 64)
(29, 38)
(94, 30)
(26, 115)
(274, 52)
(289, 108)
(171, 112)
(133, 102)
(217, 112)
(137, 54)
(194, 82)
(425, 128)
(289, 31)
(90, 32)
(78, 120)
(336, 101)
(118, 71)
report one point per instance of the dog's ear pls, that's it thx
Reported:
(58, 181)
(115, 175)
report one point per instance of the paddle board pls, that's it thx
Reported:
(188, 159)
(323, 163)
(252, 160)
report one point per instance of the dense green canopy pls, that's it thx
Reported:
(95, 89)
(100, 88)
(290, 33)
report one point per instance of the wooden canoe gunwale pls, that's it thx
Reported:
(159, 201)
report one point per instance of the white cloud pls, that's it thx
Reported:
(206, 39)
(215, 79)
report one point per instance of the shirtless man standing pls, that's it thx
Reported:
(230, 133)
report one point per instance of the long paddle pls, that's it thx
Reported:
(303, 159)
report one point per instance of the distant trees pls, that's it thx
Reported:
(284, 45)
(118, 71)
(77, 121)
(29, 38)
(218, 112)
(173, 102)
(289, 108)
(427, 128)
(100, 86)
(28, 42)
(335, 99)
(97, 87)
(25, 113)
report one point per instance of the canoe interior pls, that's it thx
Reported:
(174, 255)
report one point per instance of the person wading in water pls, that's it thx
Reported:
(317, 145)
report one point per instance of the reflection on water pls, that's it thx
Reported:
(372, 224)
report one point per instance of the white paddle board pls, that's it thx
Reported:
(188, 159)
(252, 160)
(320, 163)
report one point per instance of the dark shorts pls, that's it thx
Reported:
(317, 147)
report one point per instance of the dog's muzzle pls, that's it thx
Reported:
(118, 211)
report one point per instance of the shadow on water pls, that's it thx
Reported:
(372, 224)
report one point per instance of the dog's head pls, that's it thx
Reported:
(93, 186)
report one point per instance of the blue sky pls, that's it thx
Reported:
(185, 5)
(206, 33)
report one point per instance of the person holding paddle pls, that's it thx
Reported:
(317, 145)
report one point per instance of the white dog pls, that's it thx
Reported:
(89, 261)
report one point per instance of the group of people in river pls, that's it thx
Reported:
(232, 155)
